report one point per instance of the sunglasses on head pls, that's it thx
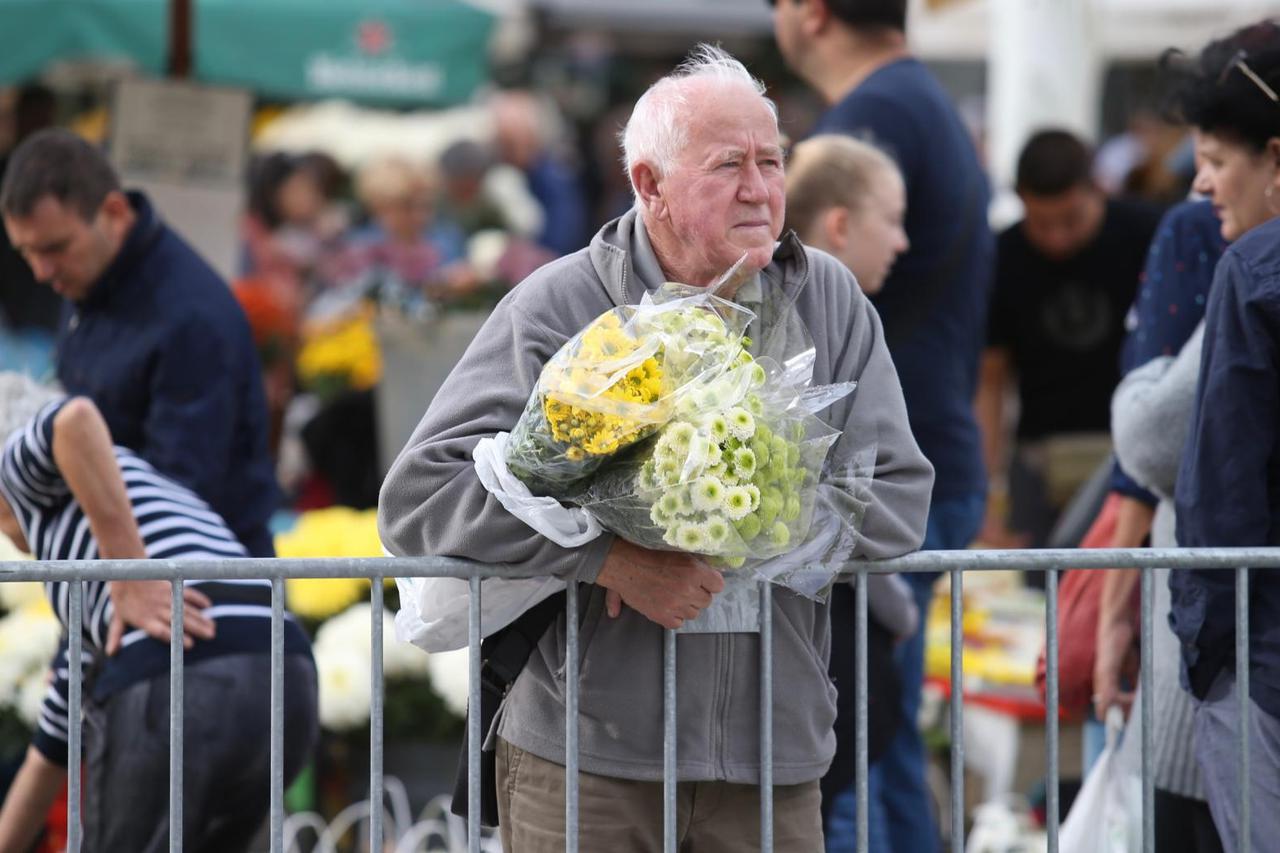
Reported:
(1238, 62)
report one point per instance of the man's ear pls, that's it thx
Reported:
(648, 187)
(815, 16)
(1273, 151)
(835, 227)
(116, 213)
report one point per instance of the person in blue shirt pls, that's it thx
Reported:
(1228, 486)
(148, 331)
(933, 306)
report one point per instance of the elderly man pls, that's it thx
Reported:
(706, 165)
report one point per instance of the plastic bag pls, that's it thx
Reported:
(435, 613)
(1106, 816)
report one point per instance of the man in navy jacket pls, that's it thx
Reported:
(148, 330)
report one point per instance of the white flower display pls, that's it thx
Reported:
(350, 629)
(345, 690)
(31, 694)
(450, 677)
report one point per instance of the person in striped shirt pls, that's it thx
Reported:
(66, 493)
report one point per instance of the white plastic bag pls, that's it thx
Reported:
(1106, 816)
(568, 527)
(447, 601)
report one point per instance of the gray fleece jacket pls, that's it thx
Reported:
(433, 503)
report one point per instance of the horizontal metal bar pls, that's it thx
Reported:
(425, 567)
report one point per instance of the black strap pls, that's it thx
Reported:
(503, 656)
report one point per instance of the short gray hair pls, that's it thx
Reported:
(657, 130)
(21, 398)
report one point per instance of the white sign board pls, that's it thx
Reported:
(187, 147)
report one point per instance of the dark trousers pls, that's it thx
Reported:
(226, 755)
(1184, 825)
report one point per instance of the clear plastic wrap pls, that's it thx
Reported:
(617, 382)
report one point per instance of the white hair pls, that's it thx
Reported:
(20, 398)
(657, 131)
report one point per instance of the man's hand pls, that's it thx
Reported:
(147, 605)
(1115, 661)
(664, 586)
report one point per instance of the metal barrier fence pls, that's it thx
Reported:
(953, 563)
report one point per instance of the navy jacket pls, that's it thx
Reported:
(164, 350)
(1228, 489)
(934, 302)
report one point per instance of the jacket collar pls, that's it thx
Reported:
(625, 263)
(147, 229)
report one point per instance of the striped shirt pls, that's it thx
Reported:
(175, 524)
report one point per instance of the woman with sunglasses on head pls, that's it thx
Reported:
(1226, 402)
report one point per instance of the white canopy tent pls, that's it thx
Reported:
(1046, 57)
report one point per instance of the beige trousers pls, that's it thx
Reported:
(625, 816)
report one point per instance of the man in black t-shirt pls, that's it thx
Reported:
(1065, 278)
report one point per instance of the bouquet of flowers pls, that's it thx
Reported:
(659, 424)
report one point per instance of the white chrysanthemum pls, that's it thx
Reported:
(671, 536)
(670, 504)
(754, 492)
(708, 494)
(744, 462)
(691, 537)
(450, 677)
(28, 639)
(31, 693)
(716, 425)
(737, 502)
(754, 405)
(345, 691)
(717, 530)
(720, 471)
(758, 376)
(741, 423)
(668, 472)
(351, 629)
(681, 434)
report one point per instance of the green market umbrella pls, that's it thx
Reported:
(396, 52)
(35, 33)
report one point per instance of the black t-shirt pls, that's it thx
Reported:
(1063, 321)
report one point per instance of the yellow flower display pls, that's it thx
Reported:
(346, 348)
(331, 532)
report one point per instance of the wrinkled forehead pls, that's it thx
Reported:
(728, 118)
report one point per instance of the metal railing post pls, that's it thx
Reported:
(175, 716)
(669, 779)
(75, 675)
(1242, 697)
(1051, 705)
(277, 715)
(1147, 685)
(375, 714)
(474, 735)
(766, 717)
(957, 708)
(571, 719)
(860, 711)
